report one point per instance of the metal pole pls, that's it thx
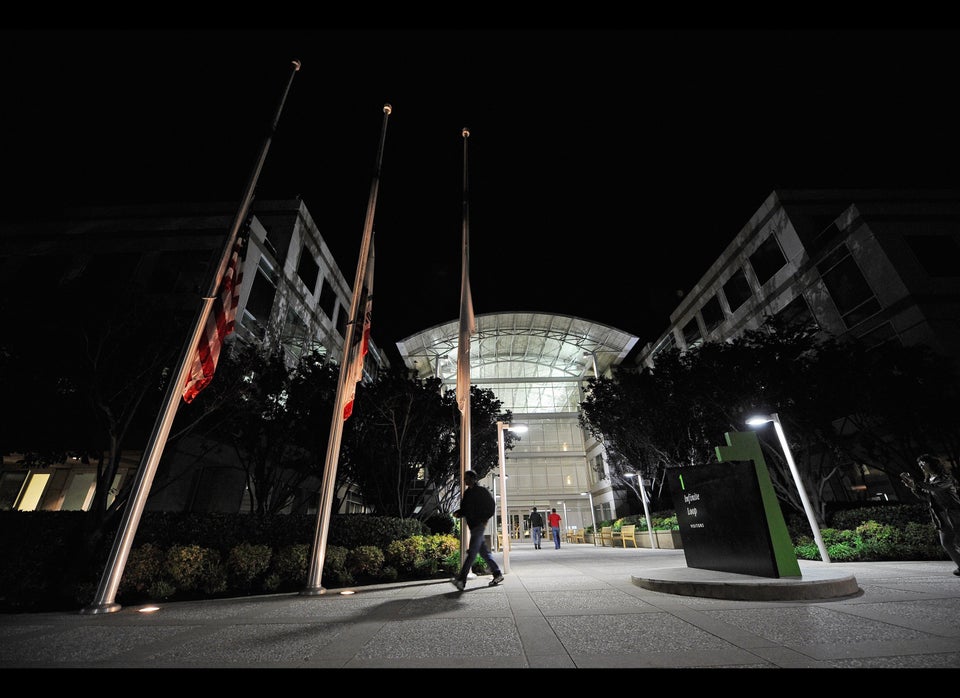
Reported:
(646, 512)
(494, 545)
(328, 484)
(565, 524)
(503, 498)
(815, 527)
(105, 599)
(593, 518)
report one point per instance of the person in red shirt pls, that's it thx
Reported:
(553, 520)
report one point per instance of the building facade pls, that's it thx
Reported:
(876, 265)
(537, 365)
(292, 290)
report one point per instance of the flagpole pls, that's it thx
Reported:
(104, 602)
(466, 328)
(315, 570)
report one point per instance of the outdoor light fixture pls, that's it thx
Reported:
(501, 427)
(760, 420)
(592, 518)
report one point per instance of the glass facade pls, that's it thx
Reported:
(537, 365)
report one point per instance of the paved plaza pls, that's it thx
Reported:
(580, 607)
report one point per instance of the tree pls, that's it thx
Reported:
(401, 447)
(842, 404)
(274, 415)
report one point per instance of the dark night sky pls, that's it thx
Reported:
(608, 168)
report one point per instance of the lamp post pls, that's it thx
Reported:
(646, 508)
(519, 428)
(592, 517)
(808, 510)
(494, 545)
(564, 503)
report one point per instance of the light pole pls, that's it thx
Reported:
(646, 508)
(494, 545)
(592, 517)
(564, 503)
(775, 418)
(519, 428)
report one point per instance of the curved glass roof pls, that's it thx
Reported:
(512, 346)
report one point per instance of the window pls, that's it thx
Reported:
(256, 316)
(294, 334)
(767, 260)
(737, 290)
(939, 255)
(691, 333)
(328, 299)
(797, 314)
(712, 314)
(849, 289)
(341, 323)
(308, 270)
(880, 335)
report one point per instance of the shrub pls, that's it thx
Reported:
(365, 561)
(407, 555)
(247, 565)
(192, 568)
(288, 568)
(144, 566)
(335, 573)
(440, 523)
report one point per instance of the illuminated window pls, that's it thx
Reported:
(36, 483)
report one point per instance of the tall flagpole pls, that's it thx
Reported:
(467, 327)
(104, 602)
(315, 571)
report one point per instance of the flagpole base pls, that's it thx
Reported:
(313, 591)
(95, 609)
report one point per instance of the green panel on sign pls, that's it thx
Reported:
(746, 446)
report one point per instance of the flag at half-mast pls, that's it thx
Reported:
(361, 336)
(220, 324)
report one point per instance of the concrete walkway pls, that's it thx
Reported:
(577, 607)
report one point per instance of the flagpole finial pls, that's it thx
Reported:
(466, 132)
(387, 109)
(296, 65)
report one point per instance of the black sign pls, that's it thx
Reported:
(722, 520)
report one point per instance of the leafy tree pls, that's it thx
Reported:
(841, 403)
(275, 416)
(400, 447)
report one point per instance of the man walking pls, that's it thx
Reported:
(536, 526)
(476, 507)
(553, 519)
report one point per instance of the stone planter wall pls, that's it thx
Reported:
(665, 539)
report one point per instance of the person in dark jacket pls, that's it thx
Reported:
(536, 526)
(476, 507)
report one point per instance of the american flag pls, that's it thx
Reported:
(220, 323)
(361, 337)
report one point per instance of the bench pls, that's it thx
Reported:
(606, 536)
(628, 533)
